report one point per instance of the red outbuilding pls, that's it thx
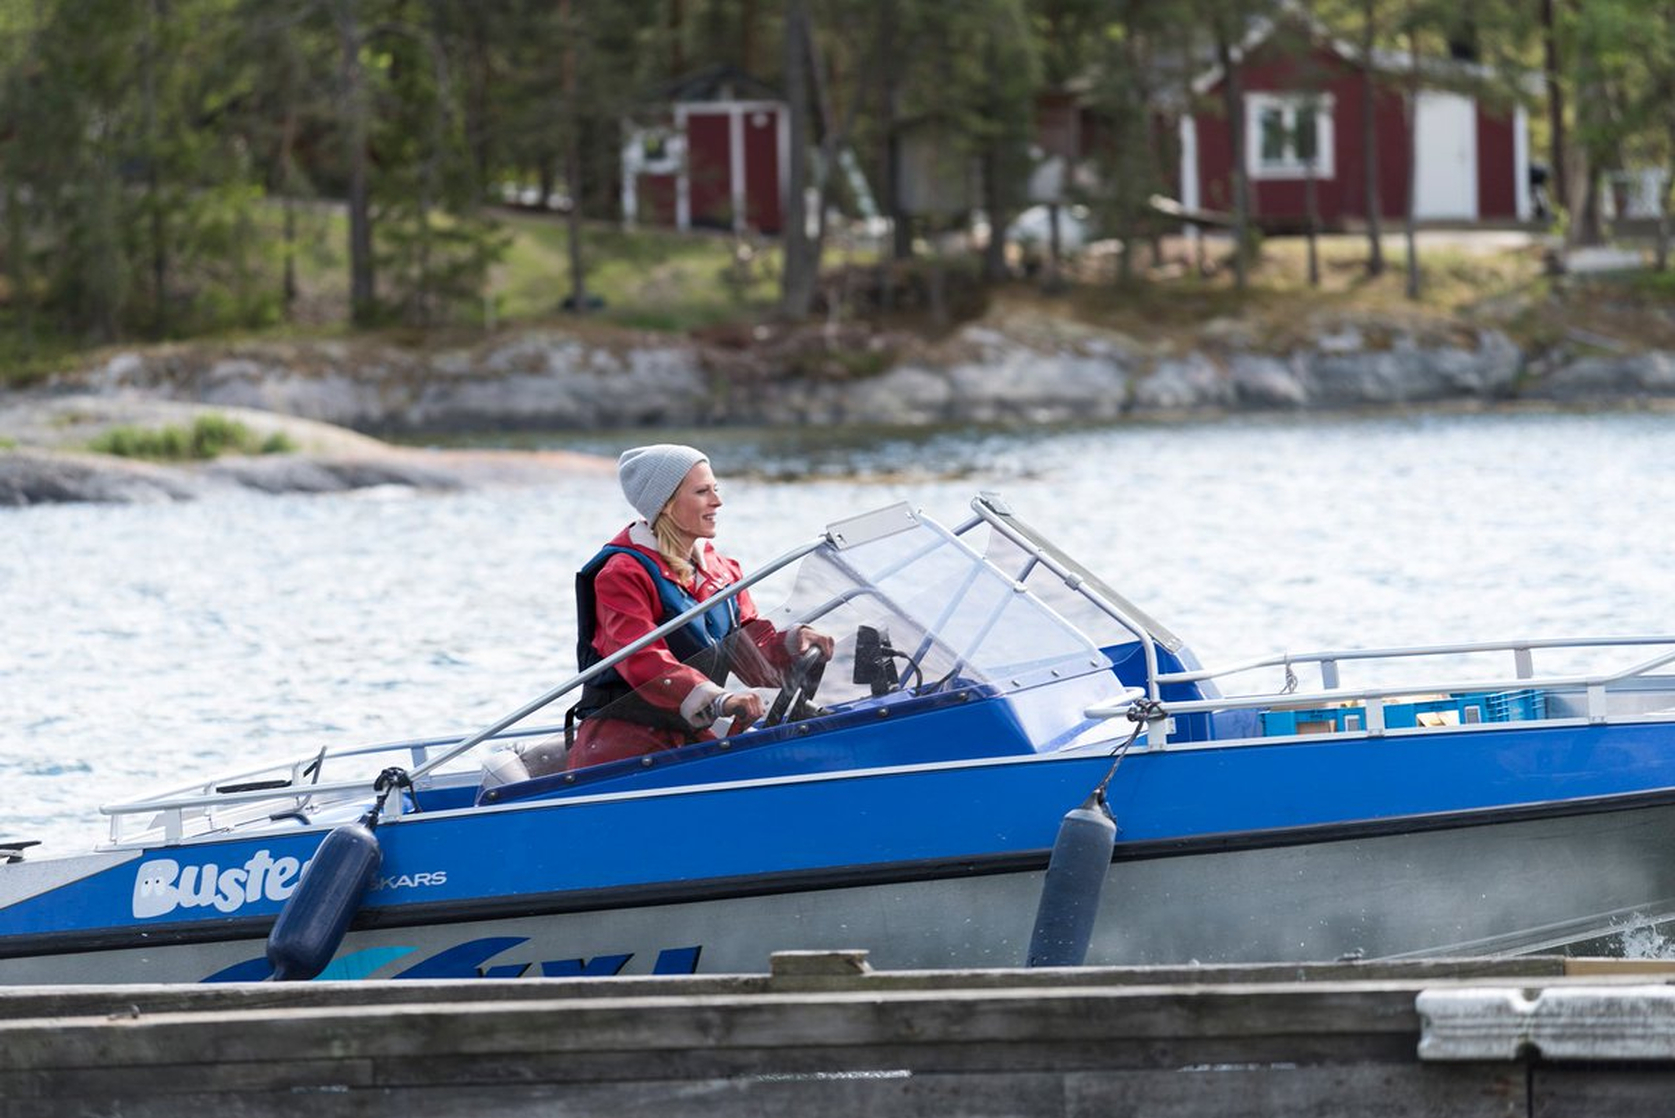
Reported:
(1303, 103)
(709, 151)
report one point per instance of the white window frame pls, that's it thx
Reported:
(1258, 104)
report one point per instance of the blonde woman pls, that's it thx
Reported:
(672, 691)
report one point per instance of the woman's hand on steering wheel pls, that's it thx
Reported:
(742, 704)
(808, 638)
(745, 708)
(796, 693)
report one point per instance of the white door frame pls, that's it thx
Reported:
(1445, 178)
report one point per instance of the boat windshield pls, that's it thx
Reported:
(913, 611)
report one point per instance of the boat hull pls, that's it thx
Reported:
(1469, 884)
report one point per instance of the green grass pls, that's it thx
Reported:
(7, 443)
(663, 281)
(25, 360)
(210, 436)
(649, 279)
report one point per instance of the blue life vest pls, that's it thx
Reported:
(698, 642)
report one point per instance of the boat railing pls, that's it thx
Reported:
(1523, 658)
(285, 783)
(297, 783)
(1372, 699)
(991, 509)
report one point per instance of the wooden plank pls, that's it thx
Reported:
(736, 1098)
(1304, 1091)
(771, 1021)
(1295, 1091)
(1073, 1044)
(70, 1001)
(64, 1001)
(196, 1077)
(1596, 968)
(1582, 1091)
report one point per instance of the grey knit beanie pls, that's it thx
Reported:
(651, 474)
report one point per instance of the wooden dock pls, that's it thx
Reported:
(823, 1034)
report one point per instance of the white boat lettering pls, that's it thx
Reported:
(162, 885)
(411, 881)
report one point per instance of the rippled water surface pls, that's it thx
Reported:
(147, 646)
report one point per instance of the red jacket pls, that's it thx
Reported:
(627, 607)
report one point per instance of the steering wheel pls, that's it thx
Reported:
(796, 695)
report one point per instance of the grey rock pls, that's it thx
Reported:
(1342, 339)
(906, 395)
(293, 474)
(1175, 384)
(1609, 377)
(1017, 370)
(1025, 386)
(31, 477)
(1266, 382)
(1409, 371)
(1342, 380)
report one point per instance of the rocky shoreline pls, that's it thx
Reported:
(1003, 369)
(47, 464)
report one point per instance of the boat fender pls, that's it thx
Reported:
(1081, 858)
(316, 916)
(1065, 917)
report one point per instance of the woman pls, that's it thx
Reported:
(672, 691)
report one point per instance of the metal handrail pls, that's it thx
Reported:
(1398, 652)
(295, 766)
(472, 740)
(994, 517)
(1405, 688)
(623, 653)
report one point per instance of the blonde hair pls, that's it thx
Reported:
(669, 541)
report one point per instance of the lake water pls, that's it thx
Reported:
(148, 646)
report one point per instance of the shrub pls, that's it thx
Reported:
(210, 436)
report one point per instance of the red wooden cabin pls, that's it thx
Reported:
(1473, 157)
(710, 152)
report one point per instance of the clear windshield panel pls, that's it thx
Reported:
(913, 613)
(946, 614)
(1069, 601)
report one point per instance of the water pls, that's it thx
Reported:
(149, 646)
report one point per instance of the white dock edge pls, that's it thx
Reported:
(1567, 1023)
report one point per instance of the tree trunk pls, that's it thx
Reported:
(1369, 148)
(889, 107)
(1412, 288)
(1053, 281)
(677, 28)
(1661, 243)
(17, 266)
(994, 251)
(352, 87)
(1311, 202)
(156, 16)
(573, 160)
(288, 203)
(748, 19)
(1233, 102)
(1665, 198)
(796, 288)
(835, 133)
(1586, 225)
(1557, 182)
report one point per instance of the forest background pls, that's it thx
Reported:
(178, 169)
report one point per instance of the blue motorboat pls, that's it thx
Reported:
(905, 797)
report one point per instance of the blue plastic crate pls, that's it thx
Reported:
(1313, 720)
(1470, 708)
(1399, 716)
(1523, 705)
(1463, 709)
